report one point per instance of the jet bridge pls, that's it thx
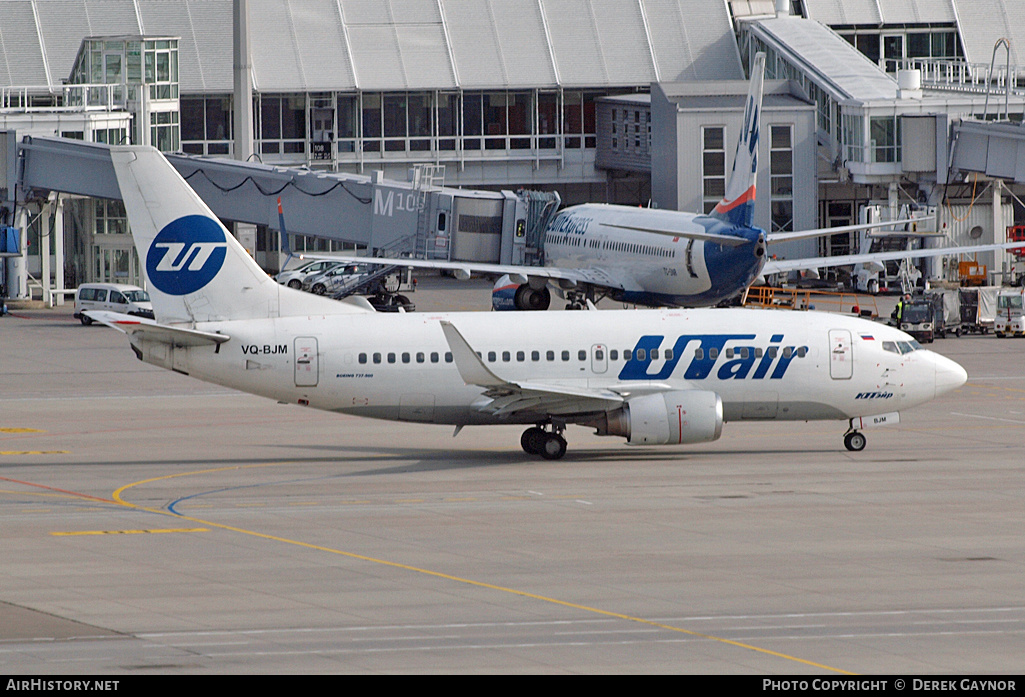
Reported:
(418, 218)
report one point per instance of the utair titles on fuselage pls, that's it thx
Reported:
(653, 377)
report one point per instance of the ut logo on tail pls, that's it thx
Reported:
(186, 255)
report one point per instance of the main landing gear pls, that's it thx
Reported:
(854, 440)
(549, 444)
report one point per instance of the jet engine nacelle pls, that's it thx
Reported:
(513, 294)
(667, 418)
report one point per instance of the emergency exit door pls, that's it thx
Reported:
(307, 362)
(841, 357)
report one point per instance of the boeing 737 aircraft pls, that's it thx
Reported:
(654, 377)
(659, 257)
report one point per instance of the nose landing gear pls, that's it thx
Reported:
(549, 444)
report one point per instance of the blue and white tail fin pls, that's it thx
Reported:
(197, 271)
(737, 206)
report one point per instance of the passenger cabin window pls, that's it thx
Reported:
(565, 355)
(362, 358)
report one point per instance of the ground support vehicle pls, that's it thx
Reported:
(946, 311)
(917, 318)
(978, 308)
(1010, 318)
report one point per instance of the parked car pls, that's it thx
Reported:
(293, 278)
(112, 297)
(334, 279)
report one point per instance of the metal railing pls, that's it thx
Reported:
(67, 98)
(960, 76)
(823, 301)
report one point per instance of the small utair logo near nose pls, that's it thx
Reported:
(186, 255)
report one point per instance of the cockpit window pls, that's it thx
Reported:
(901, 347)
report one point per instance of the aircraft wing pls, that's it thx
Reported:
(726, 240)
(827, 231)
(149, 329)
(779, 265)
(463, 269)
(509, 398)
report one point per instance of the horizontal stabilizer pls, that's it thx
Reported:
(151, 330)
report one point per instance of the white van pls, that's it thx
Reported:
(112, 297)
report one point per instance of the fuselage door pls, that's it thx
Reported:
(599, 358)
(841, 355)
(307, 362)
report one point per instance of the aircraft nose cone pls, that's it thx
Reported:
(949, 375)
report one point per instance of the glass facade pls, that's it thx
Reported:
(415, 126)
(206, 125)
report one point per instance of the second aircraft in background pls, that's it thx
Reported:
(662, 257)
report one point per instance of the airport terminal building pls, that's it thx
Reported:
(635, 101)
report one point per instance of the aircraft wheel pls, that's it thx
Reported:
(295, 283)
(854, 441)
(86, 320)
(529, 299)
(553, 447)
(531, 440)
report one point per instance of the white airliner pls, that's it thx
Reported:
(660, 257)
(654, 377)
